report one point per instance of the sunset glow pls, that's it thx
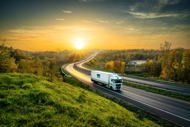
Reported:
(119, 24)
(79, 43)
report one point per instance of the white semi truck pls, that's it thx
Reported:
(110, 80)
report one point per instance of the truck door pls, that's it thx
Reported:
(111, 83)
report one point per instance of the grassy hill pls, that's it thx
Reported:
(29, 100)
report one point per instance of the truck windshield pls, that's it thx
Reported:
(117, 81)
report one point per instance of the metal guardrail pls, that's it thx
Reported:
(88, 72)
(64, 72)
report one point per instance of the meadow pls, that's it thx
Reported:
(30, 100)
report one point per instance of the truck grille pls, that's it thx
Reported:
(118, 86)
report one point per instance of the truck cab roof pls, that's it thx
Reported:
(104, 72)
(116, 77)
(113, 75)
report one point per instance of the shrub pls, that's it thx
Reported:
(27, 86)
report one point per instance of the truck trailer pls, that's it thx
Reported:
(110, 80)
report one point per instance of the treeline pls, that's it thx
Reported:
(175, 63)
(166, 63)
(40, 63)
(116, 60)
(171, 64)
(127, 55)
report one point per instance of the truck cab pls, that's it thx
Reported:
(115, 82)
(108, 79)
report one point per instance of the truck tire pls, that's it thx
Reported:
(94, 81)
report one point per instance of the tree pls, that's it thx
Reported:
(166, 46)
(119, 66)
(25, 66)
(7, 63)
(164, 55)
(152, 67)
(109, 65)
(186, 65)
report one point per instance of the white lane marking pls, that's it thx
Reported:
(150, 105)
(158, 95)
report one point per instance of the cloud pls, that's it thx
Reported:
(90, 0)
(130, 29)
(86, 21)
(59, 19)
(152, 15)
(67, 11)
(168, 2)
(119, 22)
(83, 0)
(52, 33)
(154, 6)
(102, 21)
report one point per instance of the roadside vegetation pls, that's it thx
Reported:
(30, 100)
(39, 63)
(164, 64)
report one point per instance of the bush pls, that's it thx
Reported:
(27, 86)
(38, 97)
(82, 97)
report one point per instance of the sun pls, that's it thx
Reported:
(79, 43)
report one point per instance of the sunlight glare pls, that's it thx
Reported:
(79, 43)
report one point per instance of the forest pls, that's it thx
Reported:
(47, 64)
(166, 63)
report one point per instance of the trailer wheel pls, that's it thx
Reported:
(95, 82)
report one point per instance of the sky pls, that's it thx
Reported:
(41, 25)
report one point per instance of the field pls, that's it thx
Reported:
(29, 100)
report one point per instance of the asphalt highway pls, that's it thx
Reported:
(170, 87)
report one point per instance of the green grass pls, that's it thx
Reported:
(159, 91)
(29, 100)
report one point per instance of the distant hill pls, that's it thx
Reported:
(29, 100)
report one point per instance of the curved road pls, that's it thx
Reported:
(175, 88)
(173, 110)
